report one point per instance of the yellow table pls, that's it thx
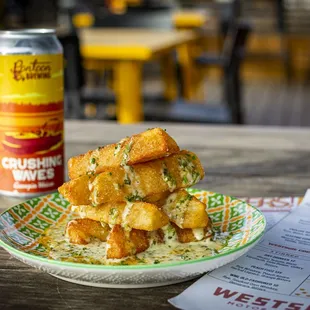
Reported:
(127, 49)
(190, 18)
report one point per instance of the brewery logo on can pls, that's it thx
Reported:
(31, 124)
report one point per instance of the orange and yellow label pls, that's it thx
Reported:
(31, 124)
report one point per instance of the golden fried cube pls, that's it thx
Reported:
(141, 181)
(149, 145)
(192, 235)
(77, 191)
(122, 243)
(137, 182)
(138, 215)
(81, 231)
(185, 210)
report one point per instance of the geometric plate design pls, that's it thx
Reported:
(23, 224)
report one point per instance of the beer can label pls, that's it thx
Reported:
(31, 123)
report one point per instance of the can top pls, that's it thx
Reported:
(27, 33)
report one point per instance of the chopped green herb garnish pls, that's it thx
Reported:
(141, 260)
(110, 173)
(117, 148)
(168, 178)
(113, 213)
(134, 197)
(128, 147)
(185, 180)
(126, 153)
(196, 176)
(127, 181)
(156, 261)
(183, 163)
(93, 160)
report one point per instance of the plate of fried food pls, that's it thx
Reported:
(128, 217)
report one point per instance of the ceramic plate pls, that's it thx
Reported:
(23, 224)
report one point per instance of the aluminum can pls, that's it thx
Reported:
(31, 112)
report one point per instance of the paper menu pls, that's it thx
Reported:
(274, 208)
(275, 274)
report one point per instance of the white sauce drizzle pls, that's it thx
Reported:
(188, 171)
(81, 211)
(168, 178)
(126, 153)
(175, 207)
(117, 148)
(94, 196)
(95, 252)
(93, 161)
(125, 215)
(73, 208)
(113, 215)
(199, 233)
(134, 180)
(170, 234)
(126, 212)
(116, 186)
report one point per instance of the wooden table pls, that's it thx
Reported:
(240, 161)
(127, 49)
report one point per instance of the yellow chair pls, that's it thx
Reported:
(87, 20)
(83, 20)
(196, 20)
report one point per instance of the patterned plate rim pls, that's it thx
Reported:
(136, 267)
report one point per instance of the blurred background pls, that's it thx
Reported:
(240, 62)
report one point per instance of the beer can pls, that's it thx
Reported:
(31, 112)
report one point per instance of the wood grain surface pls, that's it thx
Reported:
(240, 161)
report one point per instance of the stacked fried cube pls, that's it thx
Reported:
(132, 194)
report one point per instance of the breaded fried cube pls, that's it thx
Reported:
(141, 181)
(81, 231)
(149, 145)
(185, 210)
(138, 182)
(122, 243)
(140, 240)
(138, 215)
(77, 191)
(192, 235)
(158, 199)
(157, 236)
